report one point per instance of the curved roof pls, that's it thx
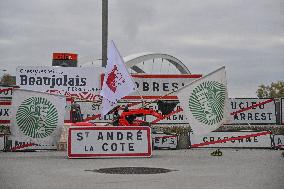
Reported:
(132, 60)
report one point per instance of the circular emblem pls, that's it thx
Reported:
(207, 102)
(37, 117)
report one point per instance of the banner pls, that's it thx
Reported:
(252, 111)
(92, 109)
(117, 81)
(37, 117)
(263, 114)
(69, 81)
(92, 142)
(5, 108)
(204, 102)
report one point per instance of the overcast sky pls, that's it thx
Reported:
(246, 36)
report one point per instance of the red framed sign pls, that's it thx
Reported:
(5, 112)
(278, 141)
(99, 142)
(252, 110)
(156, 86)
(6, 93)
(164, 141)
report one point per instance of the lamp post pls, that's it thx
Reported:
(104, 31)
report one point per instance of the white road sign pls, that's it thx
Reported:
(253, 139)
(252, 110)
(278, 141)
(95, 142)
(164, 141)
(155, 86)
(5, 107)
(69, 81)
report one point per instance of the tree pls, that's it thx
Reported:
(7, 79)
(275, 90)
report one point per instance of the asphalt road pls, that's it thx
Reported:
(193, 168)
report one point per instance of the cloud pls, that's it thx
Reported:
(245, 36)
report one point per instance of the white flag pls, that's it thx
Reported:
(107, 106)
(204, 102)
(117, 81)
(37, 117)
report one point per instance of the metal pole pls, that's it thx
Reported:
(104, 31)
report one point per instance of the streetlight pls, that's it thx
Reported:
(104, 31)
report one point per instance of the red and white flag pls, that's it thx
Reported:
(117, 80)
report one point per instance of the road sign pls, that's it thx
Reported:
(97, 142)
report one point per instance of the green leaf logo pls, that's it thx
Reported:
(207, 102)
(37, 117)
